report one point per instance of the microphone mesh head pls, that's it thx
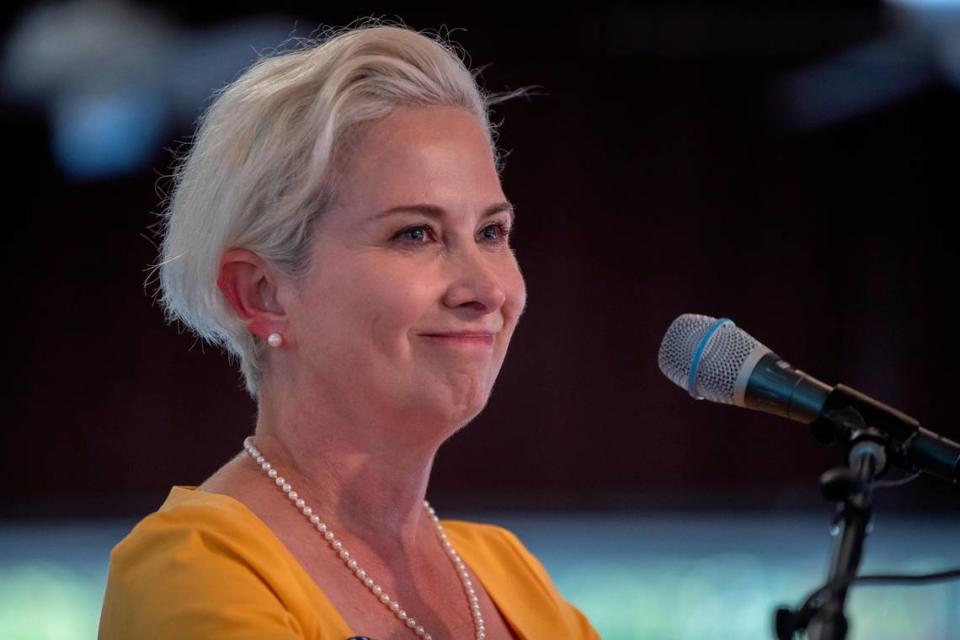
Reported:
(721, 360)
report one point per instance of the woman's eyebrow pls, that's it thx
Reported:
(434, 211)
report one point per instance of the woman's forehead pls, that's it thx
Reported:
(421, 156)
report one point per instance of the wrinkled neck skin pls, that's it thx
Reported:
(363, 468)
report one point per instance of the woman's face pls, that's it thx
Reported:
(413, 291)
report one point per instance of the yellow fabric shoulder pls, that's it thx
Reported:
(204, 566)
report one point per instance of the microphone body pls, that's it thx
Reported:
(713, 359)
(773, 386)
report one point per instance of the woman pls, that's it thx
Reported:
(340, 226)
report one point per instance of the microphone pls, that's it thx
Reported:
(713, 359)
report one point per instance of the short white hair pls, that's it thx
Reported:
(261, 167)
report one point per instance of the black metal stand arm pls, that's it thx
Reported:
(850, 487)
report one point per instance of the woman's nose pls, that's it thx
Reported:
(475, 284)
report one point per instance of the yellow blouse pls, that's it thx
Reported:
(205, 567)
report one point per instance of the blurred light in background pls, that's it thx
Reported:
(115, 78)
(921, 49)
(97, 136)
(652, 577)
(928, 4)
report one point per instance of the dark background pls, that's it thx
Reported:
(667, 164)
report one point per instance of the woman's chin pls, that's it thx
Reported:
(444, 418)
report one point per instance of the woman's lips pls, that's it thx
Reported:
(470, 339)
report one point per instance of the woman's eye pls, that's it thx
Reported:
(417, 234)
(496, 232)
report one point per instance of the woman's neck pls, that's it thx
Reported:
(371, 486)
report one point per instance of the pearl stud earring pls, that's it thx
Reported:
(275, 340)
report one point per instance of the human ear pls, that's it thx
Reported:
(250, 285)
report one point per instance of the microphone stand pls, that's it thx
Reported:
(850, 488)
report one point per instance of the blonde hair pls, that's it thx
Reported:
(262, 165)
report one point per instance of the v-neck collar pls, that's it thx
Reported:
(504, 605)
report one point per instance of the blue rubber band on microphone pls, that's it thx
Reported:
(698, 354)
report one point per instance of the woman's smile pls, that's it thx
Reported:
(469, 340)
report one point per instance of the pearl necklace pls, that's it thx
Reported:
(354, 567)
